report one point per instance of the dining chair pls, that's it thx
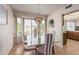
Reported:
(48, 48)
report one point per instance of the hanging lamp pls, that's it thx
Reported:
(38, 18)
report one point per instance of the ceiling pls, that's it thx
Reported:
(72, 16)
(44, 9)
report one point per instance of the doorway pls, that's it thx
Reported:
(71, 32)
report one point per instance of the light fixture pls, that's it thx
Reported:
(38, 18)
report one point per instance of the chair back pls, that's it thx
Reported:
(49, 45)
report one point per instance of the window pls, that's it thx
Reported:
(70, 26)
(19, 26)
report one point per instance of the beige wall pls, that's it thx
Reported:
(6, 33)
(57, 16)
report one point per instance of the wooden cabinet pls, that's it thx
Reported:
(73, 35)
(70, 35)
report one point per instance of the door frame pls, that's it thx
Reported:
(63, 19)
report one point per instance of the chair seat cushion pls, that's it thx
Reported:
(41, 50)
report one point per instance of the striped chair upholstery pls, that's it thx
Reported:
(48, 48)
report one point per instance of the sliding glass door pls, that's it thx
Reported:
(31, 32)
(42, 31)
(27, 31)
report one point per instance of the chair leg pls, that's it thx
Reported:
(53, 51)
(36, 51)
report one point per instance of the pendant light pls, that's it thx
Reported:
(38, 18)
